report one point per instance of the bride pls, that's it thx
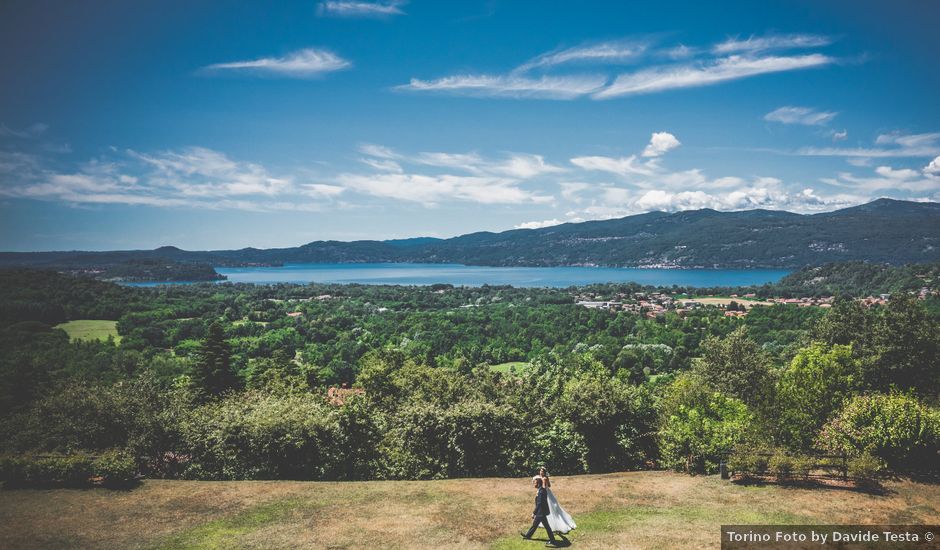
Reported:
(560, 520)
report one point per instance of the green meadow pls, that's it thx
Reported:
(506, 368)
(91, 329)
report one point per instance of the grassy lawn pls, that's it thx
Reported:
(91, 329)
(625, 510)
(505, 367)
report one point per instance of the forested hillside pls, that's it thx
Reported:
(883, 231)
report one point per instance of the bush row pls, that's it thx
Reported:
(795, 466)
(111, 468)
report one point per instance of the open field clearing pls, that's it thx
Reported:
(91, 329)
(624, 510)
(506, 368)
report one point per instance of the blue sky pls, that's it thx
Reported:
(223, 125)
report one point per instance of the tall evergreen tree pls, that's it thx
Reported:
(213, 372)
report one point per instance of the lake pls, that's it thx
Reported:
(469, 275)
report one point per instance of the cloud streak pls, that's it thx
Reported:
(892, 145)
(755, 44)
(352, 9)
(30, 132)
(621, 166)
(510, 86)
(696, 75)
(431, 190)
(306, 63)
(553, 75)
(602, 53)
(800, 115)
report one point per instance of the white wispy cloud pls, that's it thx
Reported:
(418, 178)
(679, 52)
(660, 143)
(912, 141)
(306, 63)
(800, 115)
(467, 162)
(772, 42)
(380, 151)
(735, 67)
(30, 132)
(510, 86)
(602, 53)
(201, 172)
(344, 8)
(321, 190)
(571, 190)
(895, 144)
(550, 75)
(887, 178)
(621, 166)
(433, 189)
(384, 165)
(194, 177)
(515, 165)
(524, 166)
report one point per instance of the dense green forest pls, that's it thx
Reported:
(856, 279)
(231, 381)
(133, 266)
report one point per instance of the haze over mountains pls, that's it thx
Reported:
(884, 230)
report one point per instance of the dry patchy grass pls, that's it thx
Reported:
(625, 510)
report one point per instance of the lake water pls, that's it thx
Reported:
(426, 274)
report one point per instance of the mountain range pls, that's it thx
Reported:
(884, 231)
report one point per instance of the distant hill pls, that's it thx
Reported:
(884, 231)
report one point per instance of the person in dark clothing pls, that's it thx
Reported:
(540, 513)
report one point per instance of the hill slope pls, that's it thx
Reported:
(885, 230)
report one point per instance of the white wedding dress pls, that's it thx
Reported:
(560, 520)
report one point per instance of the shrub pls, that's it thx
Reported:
(743, 463)
(469, 438)
(612, 418)
(115, 467)
(781, 465)
(803, 466)
(895, 428)
(557, 444)
(138, 414)
(257, 435)
(864, 467)
(699, 426)
(69, 470)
